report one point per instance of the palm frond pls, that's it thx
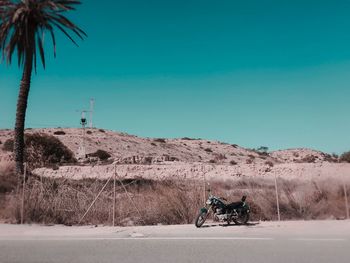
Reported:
(22, 24)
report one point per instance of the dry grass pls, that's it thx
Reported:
(8, 187)
(64, 201)
(321, 199)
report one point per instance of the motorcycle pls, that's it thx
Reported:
(238, 212)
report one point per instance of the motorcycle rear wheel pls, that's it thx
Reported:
(200, 219)
(242, 219)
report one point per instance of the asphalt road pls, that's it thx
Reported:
(317, 241)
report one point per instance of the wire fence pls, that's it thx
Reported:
(119, 200)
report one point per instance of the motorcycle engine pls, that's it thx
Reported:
(219, 211)
(220, 214)
(221, 217)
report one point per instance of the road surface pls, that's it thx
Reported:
(293, 241)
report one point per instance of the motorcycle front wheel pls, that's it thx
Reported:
(242, 218)
(200, 219)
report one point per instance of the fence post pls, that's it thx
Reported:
(277, 201)
(114, 194)
(204, 186)
(93, 202)
(346, 201)
(130, 198)
(24, 184)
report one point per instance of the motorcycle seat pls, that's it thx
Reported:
(234, 205)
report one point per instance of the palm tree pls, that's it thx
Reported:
(22, 28)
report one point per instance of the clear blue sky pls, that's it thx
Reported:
(274, 73)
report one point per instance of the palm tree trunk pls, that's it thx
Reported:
(21, 112)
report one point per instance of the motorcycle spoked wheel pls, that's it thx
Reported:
(200, 219)
(242, 219)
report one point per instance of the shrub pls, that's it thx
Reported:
(251, 156)
(234, 145)
(309, 159)
(147, 160)
(208, 150)
(263, 149)
(8, 179)
(59, 133)
(220, 157)
(189, 139)
(263, 154)
(269, 163)
(8, 145)
(46, 150)
(101, 130)
(101, 154)
(212, 161)
(330, 158)
(43, 150)
(152, 143)
(249, 161)
(345, 157)
(161, 140)
(233, 162)
(89, 132)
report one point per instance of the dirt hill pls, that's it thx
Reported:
(184, 157)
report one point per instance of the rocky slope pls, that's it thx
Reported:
(182, 158)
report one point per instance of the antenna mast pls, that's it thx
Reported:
(92, 102)
(81, 150)
(85, 123)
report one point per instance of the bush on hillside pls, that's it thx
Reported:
(269, 163)
(190, 139)
(309, 159)
(345, 157)
(161, 140)
(59, 133)
(101, 154)
(233, 162)
(208, 150)
(42, 150)
(46, 150)
(8, 145)
(8, 179)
